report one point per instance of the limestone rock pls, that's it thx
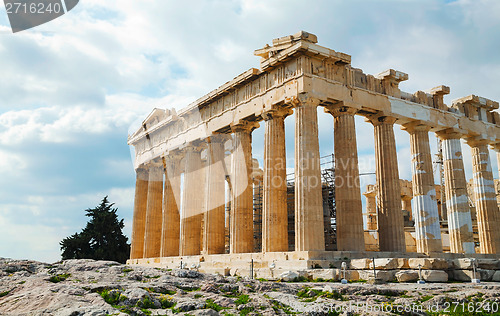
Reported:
(467, 275)
(434, 275)
(384, 275)
(325, 274)
(360, 264)
(428, 263)
(389, 263)
(288, 276)
(407, 276)
(496, 277)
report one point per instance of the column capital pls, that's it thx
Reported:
(449, 133)
(244, 126)
(195, 146)
(218, 138)
(496, 147)
(304, 100)
(155, 163)
(338, 110)
(476, 141)
(276, 113)
(380, 118)
(415, 126)
(142, 172)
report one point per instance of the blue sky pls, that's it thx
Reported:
(72, 89)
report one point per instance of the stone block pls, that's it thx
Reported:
(385, 275)
(428, 263)
(288, 276)
(462, 263)
(434, 275)
(325, 274)
(389, 263)
(496, 277)
(467, 275)
(360, 264)
(407, 276)
(489, 264)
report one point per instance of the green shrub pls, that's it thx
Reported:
(59, 277)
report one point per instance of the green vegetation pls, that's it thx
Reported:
(101, 239)
(242, 299)
(2, 294)
(212, 305)
(279, 306)
(59, 277)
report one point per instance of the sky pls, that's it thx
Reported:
(71, 90)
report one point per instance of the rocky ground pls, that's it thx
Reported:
(87, 287)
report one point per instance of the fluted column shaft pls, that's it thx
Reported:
(309, 225)
(371, 210)
(140, 208)
(485, 197)
(350, 233)
(425, 208)
(192, 202)
(275, 215)
(171, 202)
(152, 235)
(390, 217)
(214, 217)
(241, 219)
(457, 203)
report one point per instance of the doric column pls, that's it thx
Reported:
(140, 207)
(241, 219)
(152, 235)
(171, 204)
(350, 234)
(457, 203)
(214, 217)
(371, 207)
(192, 200)
(309, 226)
(425, 209)
(485, 197)
(275, 215)
(390, 217)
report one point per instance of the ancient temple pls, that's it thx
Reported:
(197, 181)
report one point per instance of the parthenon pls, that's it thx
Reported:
(197, 180)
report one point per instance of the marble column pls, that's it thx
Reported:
(485, 197)
(457, 203)
(192, 202)
(309, 225)
(425, 208)
(350, 232)
(214, 217)
(275, 215)
(171, 206)
(371, 209)
(390, 216)
(152, 234)
(140, 207)
(241, 219)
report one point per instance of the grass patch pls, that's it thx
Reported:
(246, 310)
(112, 298)
(2, 294)
(167, 302)
(59, 277)
(242, 299)
(425, 298)
(127, 270)
(212, 305)
(277, 306)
